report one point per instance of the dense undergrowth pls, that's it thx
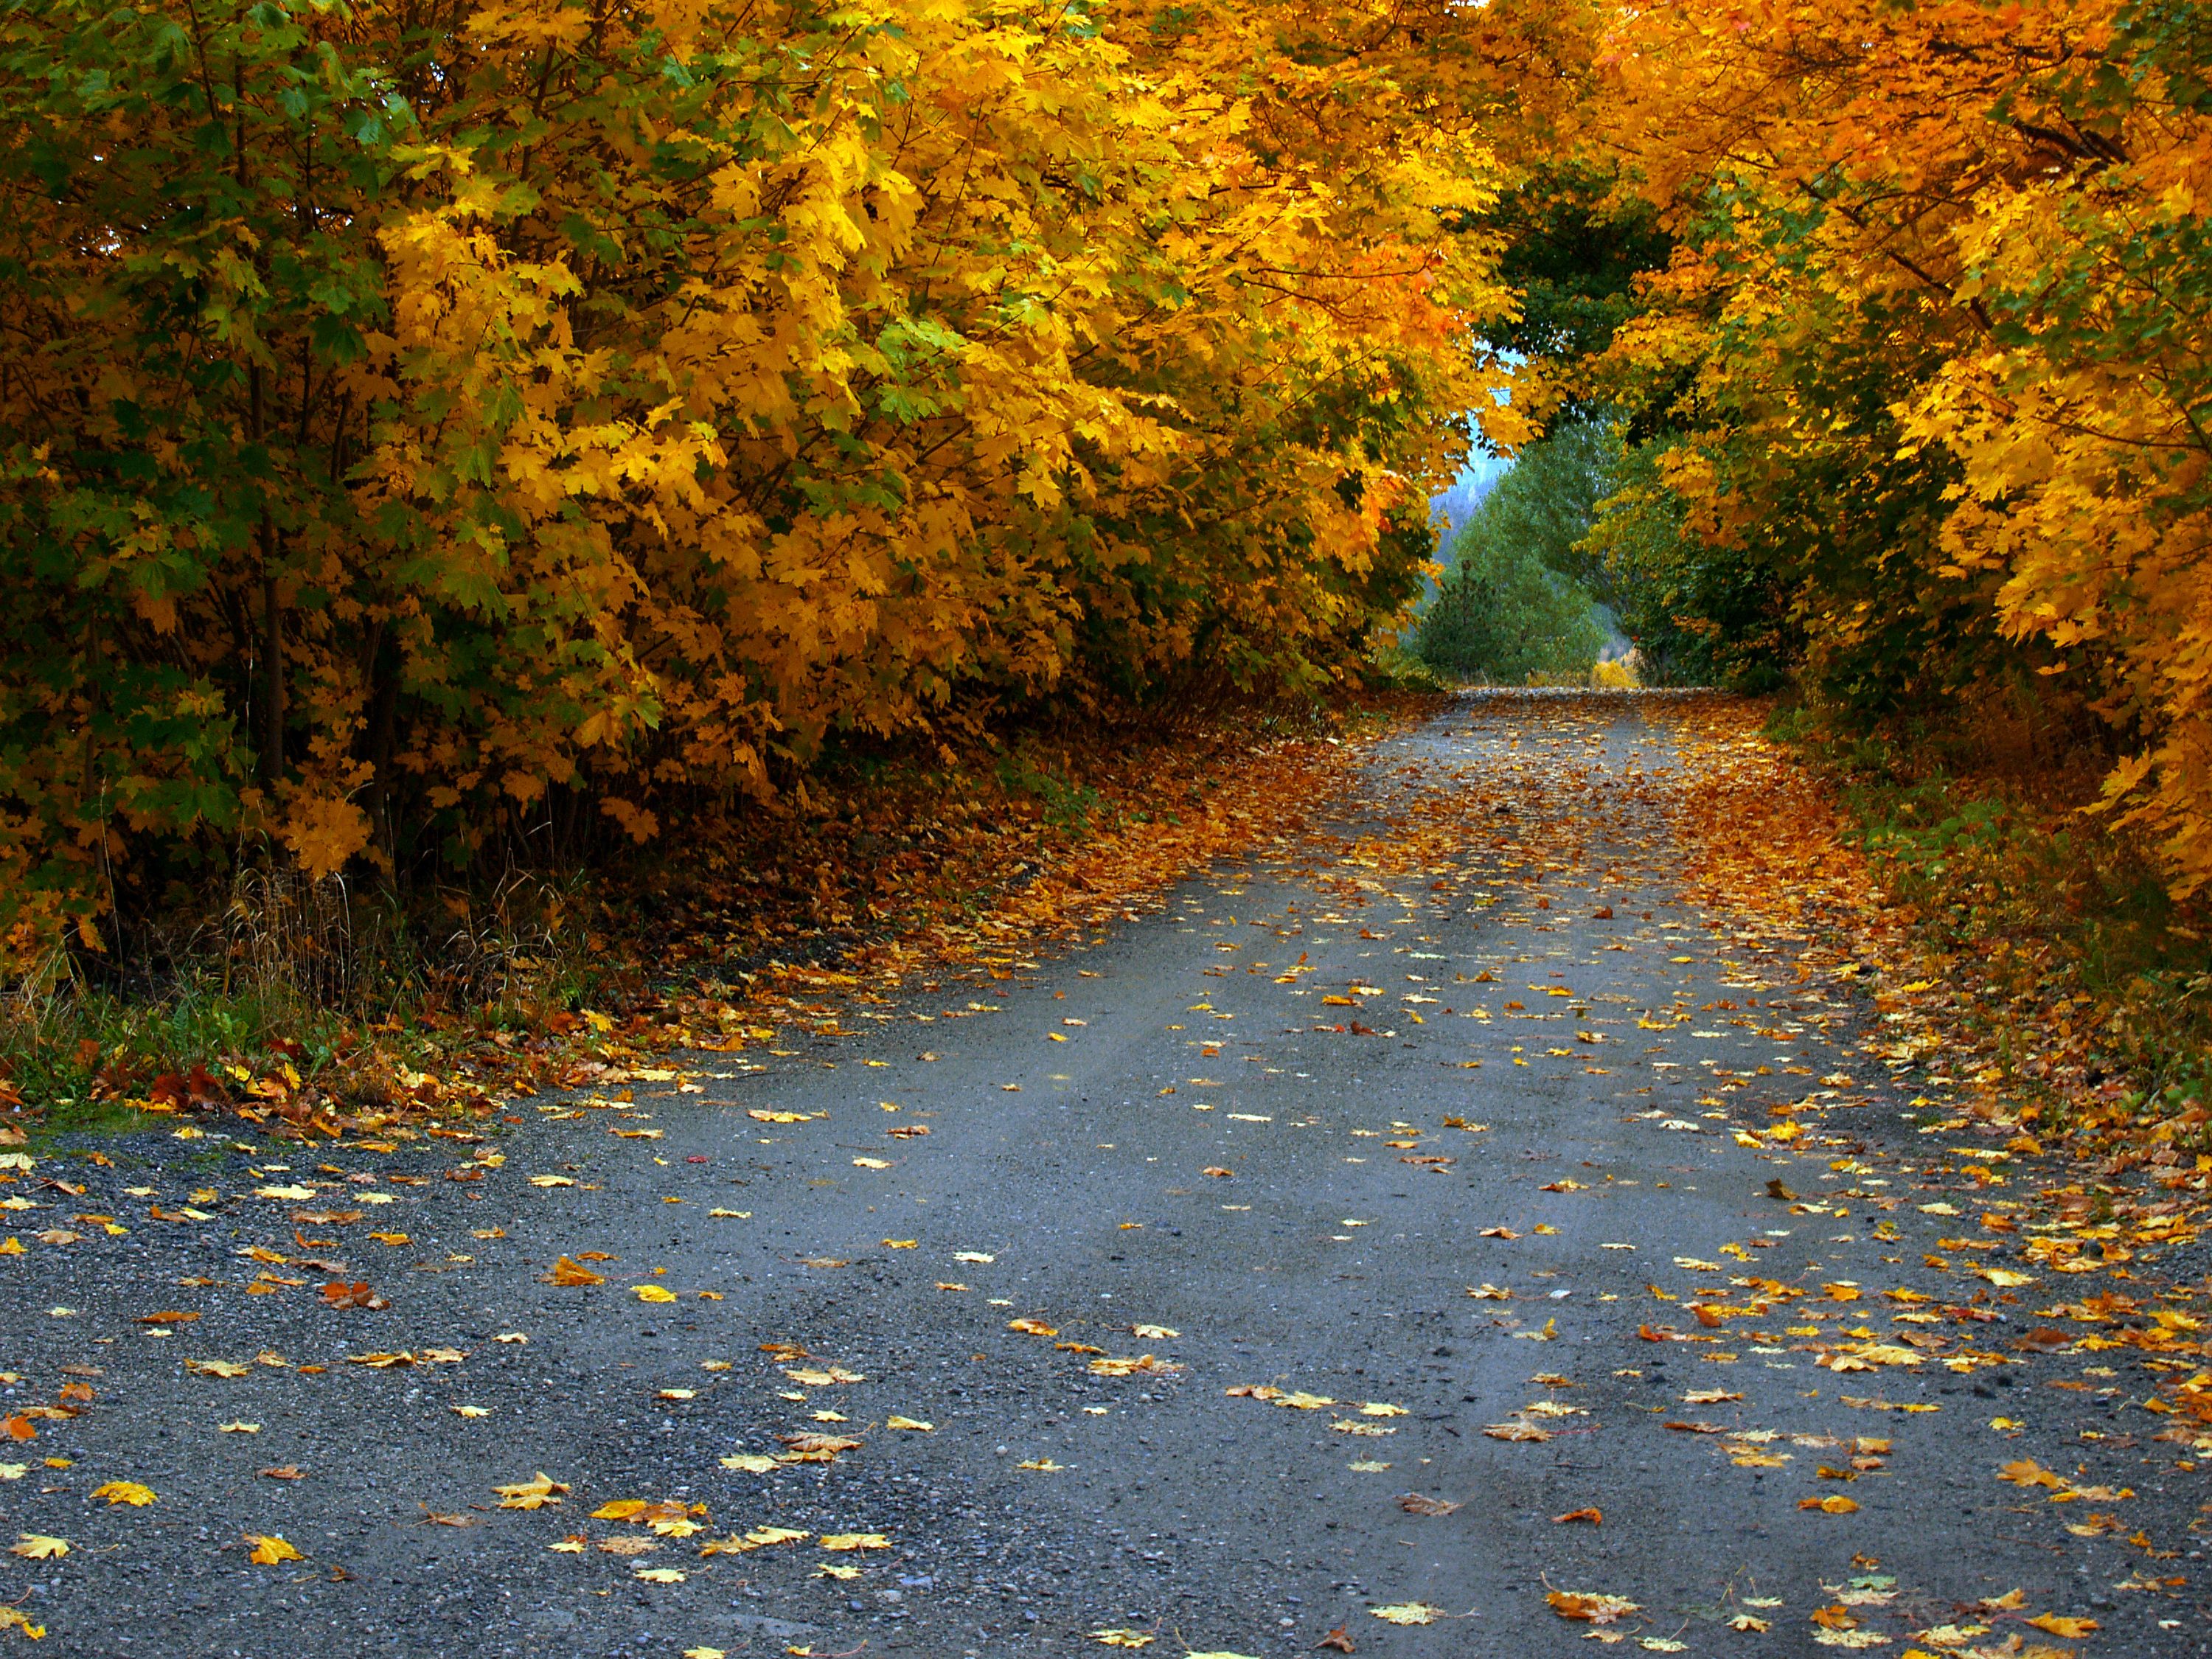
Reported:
(322, 1006)
(2056, 940)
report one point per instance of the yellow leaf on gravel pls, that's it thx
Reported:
(569, 1271)
(2058, 1624)
(974, 1255)
(894, 1421)
(1122, 1639)
(1836, 1504)
(871, 1163)
(216, 1367)
(653, 1293)
(551, 1181)
(2026, 1472)
(749, 1463)
(126, 1491)
(38, 1547)
(16, 1618)
(1032, 1327)
(533, 1494)
(285, 1194)
(2004, 1279)
(1406, 1613)
(854, 1541)
(269, 1549)
(704, 1653)
(1154, 1333)
(660, 1575)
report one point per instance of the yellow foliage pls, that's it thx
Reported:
(644, 397)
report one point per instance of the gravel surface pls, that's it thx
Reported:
(1262, 1137)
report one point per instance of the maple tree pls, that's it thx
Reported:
(1918, 384)
(433, 429)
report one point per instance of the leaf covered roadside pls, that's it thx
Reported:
(767, 929)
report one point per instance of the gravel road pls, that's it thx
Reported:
(1290, 1259)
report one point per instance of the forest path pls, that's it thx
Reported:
(1396, 1169)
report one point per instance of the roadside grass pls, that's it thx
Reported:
(337, 1007)
(2089, 981)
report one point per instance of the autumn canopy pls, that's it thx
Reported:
(424, 424)
(428, 428)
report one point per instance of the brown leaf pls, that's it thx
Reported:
(285, 1472)
(171, 1318)
(1594, 1517)
(1414, 1504)
(340, 1294)
(1337, 1641)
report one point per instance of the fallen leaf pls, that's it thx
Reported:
(894, 1421)
(1122, 1639)
(1032, 1327)
(1337, 1641)
(2059, 1625)
(125, 1492)
(569, 1271)
(1590, 1606)
(1414, 1504)
(854, 1541)
(1835, 1504)
(1594, 1517)
(532, 1494)
(1406, 1613)
(268, 1550)
(38, 1547)
(653, 1293)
